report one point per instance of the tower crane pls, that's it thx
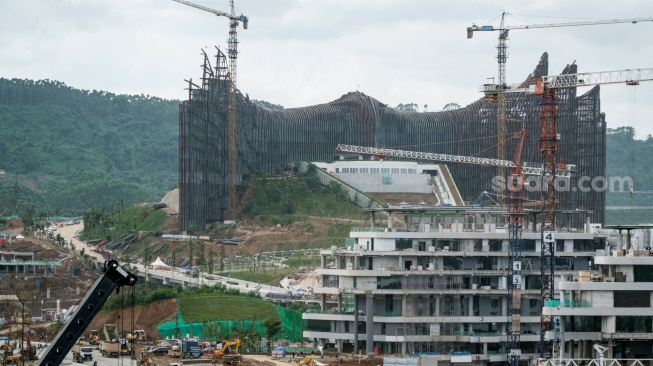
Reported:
(502, 58)
(515, 216)
(546, 86)
(232, 50)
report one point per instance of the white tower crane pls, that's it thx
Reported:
(233, 55)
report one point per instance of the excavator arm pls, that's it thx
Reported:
(114, 276)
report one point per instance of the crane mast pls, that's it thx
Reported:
(232, 51)
(548, 148)
(546, 87)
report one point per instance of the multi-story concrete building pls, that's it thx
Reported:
(610, 306)
(436, 286)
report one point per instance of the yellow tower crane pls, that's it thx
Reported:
(233, 55)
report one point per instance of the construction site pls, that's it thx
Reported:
(465, 281)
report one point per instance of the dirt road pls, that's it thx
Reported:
(69, 232)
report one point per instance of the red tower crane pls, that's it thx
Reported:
(546, 86)
(502, 58)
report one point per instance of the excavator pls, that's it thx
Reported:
(145, 360)
(114, 276)
(310, 361)
(227, 352)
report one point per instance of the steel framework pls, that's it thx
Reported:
(270, 139)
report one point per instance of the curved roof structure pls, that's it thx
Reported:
(269, 139)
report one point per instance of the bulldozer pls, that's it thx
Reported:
(94, 337)
(226, 352)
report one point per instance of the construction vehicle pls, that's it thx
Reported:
(227, 352)
(145, 360)
(140, 335)
(190, 349)
(307, 361)
(82, 353)
(115, 349)
(94, 337)
(114, 276)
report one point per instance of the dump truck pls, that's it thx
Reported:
(114, 349)
(82, 353)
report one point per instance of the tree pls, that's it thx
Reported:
(409, 107)
(210, 263)
(272, 328)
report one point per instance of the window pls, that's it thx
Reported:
(374, 170)
(631, 299)
(395, 170)
(389, 283)
(404, 171)
(401, 244)
(364, 170)
(353, 170)
(385, 170)
(389, 303)
(412, 171)
(345, 170)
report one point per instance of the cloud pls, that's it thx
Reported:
(300, 52)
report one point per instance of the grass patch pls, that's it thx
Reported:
(112, 226)
(201, 308)
(282, 199)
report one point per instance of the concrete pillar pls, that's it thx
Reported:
(437, 305)
(323, 302)
(470, 311)
(369, 320)
(356, 350)
(628, 239)
(620, 242)
(339, 303)
(562, 336)
(562, 296)
(322, 261)
(571, 349)
(389, 220)
(372, 220)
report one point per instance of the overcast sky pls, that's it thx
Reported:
(302, 52)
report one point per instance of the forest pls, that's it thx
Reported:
(67, 150)
(78, 149)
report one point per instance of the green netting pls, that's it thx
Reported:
(292, 327)
(210, 330)
(292, 324)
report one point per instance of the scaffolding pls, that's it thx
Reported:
(268, 140)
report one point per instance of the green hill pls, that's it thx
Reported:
(67, 150)
(82, 149)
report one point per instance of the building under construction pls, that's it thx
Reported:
(269, 139)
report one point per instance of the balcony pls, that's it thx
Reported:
(567, 304)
